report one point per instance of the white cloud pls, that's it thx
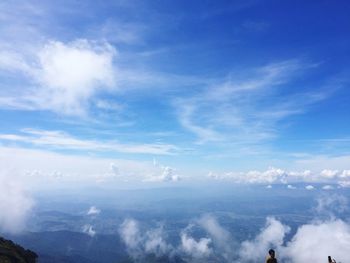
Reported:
(344, 183)
(270, 176)
(234, 110)
(345, 174)
(62, 140)
(70, 74)
(15, 203)
(155, 242)
(331, 204)
(309, 243)
(276, 175)
(66, 75)
(130, 234)
(329, 173)
(309, 187)
(314, 242)
(162, 174)
(327, 187)
(213, 175)
(194, 248)
(169, 174)
(221, 238)
(73, 169)
(291, 186)
(139, 243)
(272, 235)
(11, 61)
(93, 210)
(88, 229)
(269, 186)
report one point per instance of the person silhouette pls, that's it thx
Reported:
(330, 260)
(271, 257)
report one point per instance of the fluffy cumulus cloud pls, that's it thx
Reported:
(205, 239)
(140, 243)
(309, 187)
(222, 240)
(155, 242)
(195, 248)
(315, 241)
(272, 235)
(65, 75)
(162, 173)
(312, 242)
(70, 73)
(271, 175)
(93, 210)
(327, 187)
(15, 204)
(130, 233)
(89, 230)
(190, 248)
(276, 175)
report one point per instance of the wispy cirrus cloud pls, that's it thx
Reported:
(242, 108)
(62, 140)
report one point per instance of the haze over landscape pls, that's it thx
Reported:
(175, 131)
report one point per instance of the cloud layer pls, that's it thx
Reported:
(15, 204)
(276, 175)
(310, 242)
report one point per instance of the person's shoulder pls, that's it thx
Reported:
(271, 260)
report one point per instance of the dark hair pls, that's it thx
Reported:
(329, 259)
(271, 251)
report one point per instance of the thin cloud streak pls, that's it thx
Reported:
(62, 140)
(237, 109)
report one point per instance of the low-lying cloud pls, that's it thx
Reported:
(15, 204)
(272, 235)
(93, 210)
(89, 230)
(310, 242)
(139, 243)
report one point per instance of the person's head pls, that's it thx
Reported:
(329, 259)
(272, 253)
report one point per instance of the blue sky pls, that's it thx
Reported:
(199, 86)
